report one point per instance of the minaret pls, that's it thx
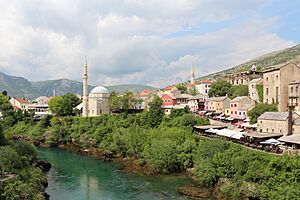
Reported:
(193, 76)
(85, 98)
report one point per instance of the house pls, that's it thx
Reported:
(294, 94)
(183, 100)
(217, 104)
(243, 78)
(197, 102)
(253, 91)
(239, 107)
(20, 103)
(168, 102)
(276, 84)
(276, 122)
(203, 86)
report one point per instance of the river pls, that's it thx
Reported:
(76, 177)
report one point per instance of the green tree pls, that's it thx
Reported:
(219, 88)
(238, 90)
(8, 159)
(155, 113)
(181, 87)
(192, 91)
(64, 105)
(259, 109)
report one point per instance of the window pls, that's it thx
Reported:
(292, 90)
(231, 112)
(235, 105)
(272, 130)
(276, 76)
(235, 112)
(267, 78)
(267, 130)
(267, 100)
(267, 91)
(240, 113)
(260, 130)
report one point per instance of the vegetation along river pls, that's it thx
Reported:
(76, 177)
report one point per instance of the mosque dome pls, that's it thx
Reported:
(99, 90)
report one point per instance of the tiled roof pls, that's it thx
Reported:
(237, 99)
(278, 116)
(217, 98)
(295, 139)
(22, 101)
(184, 96)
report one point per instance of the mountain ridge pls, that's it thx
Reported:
(22, 87)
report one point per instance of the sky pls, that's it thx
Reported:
(140, 41)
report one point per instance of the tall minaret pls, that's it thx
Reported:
(85, 98)
(193, 76)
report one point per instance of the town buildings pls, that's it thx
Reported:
(203, 86)
(20, 103)
(294, 94)
(218, 104)
(239, 107)
(243, 78)
(274, 122)
(276, 82)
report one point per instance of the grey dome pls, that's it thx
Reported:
(99, 90)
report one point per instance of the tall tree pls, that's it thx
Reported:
(181, 87)
(219, 88)
(155, 113)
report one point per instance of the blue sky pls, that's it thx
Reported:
(140, 42)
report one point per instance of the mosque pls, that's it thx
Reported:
(95, 103)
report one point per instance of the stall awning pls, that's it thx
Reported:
(294, 139)
(271, 141)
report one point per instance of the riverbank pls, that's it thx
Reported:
(129, 164)
(169, 148)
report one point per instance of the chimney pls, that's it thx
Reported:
(290, 121)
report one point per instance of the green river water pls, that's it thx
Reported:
(75, 177)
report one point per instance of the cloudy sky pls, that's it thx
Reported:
(140, 41)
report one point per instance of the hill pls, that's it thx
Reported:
(263, 62)
(21, 87)
(129, 87)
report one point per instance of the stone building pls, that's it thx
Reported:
(217, 104)
(197, 102)
(275, 122)
(253, 92)
(243, 78)
(294, 94)
(276, 83)
(98, 101)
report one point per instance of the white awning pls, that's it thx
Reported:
(271, 141)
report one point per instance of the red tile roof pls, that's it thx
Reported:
(22, 101)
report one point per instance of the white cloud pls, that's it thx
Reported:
(128, 41)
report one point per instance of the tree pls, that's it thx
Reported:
(64, 105)
(219, 88)
(238, 90)
(260, 109)
(192, 91)
(181, 87)
(4, 93)
(155, 113)
(2, 137)
(8, 159)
